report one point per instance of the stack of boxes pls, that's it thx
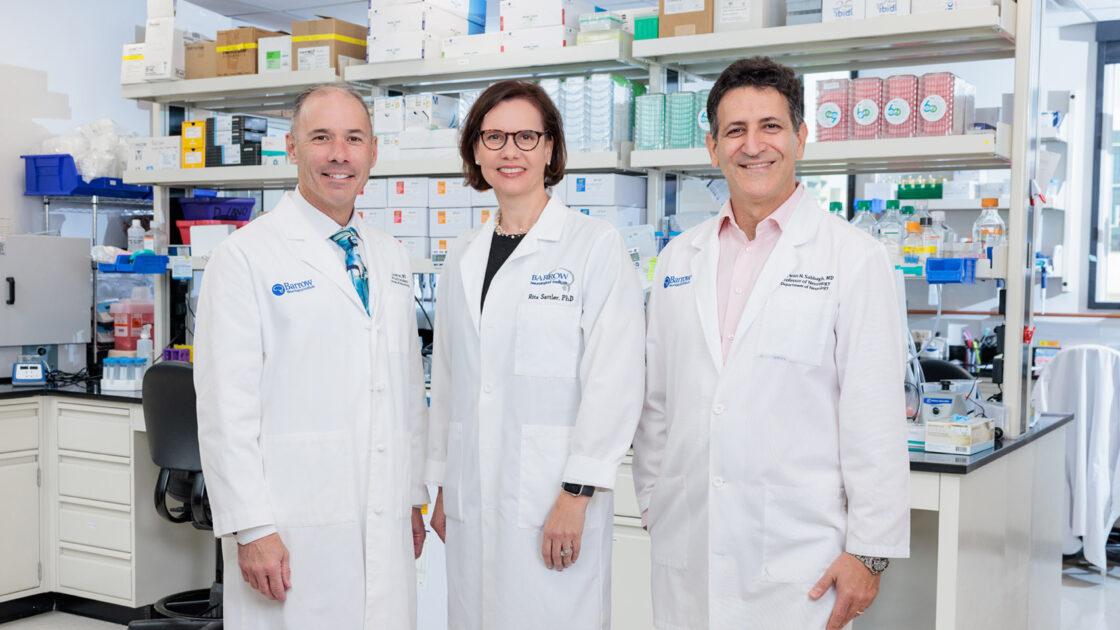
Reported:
(741, 15)
(234, 140)
(834, 10)
(866, 100)
(609, 106)
(901, 106)
(237, 50)
(674, 121)
(649, 122)
(534, 24)
(417, 126)
(803, 12)
(410, 30)
(327, 43)
(833, 109)
(599, 26)
(617, 199)
(193, 147)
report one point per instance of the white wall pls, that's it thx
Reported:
(60, 67)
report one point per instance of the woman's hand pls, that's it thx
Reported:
(563, 531)
(439, 518)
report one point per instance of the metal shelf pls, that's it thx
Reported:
(418, 265)
(258, 177)
(896, 40)
(467, 72)
(245, 92)
(897, 155)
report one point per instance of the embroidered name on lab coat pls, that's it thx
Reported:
(400, 279)
(808, 281)
(280, 288)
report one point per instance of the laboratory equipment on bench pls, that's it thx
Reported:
(29, 369)
(943, 403)
(961, 435)
(123, 374)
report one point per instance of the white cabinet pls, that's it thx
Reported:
(631, 603)
(20, 521)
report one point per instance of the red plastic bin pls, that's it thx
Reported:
(185, 227)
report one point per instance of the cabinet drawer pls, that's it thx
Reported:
(94, 479)
(19, 427)
(95, 573)
(91, 429)
(95, 527)
(625, 500)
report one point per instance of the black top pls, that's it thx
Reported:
(500, 249)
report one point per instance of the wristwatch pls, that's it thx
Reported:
(874, 565)
(577, 490)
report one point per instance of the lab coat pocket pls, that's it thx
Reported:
(544, 453)
(310, 478)
(669, 517)
(547, 340)
(794, 327)
(453, 480)
(803, 532)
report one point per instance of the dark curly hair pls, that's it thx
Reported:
(758, 72)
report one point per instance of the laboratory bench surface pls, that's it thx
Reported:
(963, 464)
(88, 390)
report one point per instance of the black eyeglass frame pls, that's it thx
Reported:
(506, 136)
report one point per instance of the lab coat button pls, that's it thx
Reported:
(487, 388)
(377, 510)
(718, 409)
(738, 290)
(718, 482)
(380, 448)
(379, 387)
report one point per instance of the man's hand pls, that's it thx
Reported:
(855, 586)
(418, 532)
(264, 565)
(439, 517)
(563, 531)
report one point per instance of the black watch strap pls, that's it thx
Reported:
(577, 490)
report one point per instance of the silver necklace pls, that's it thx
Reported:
(500, 232)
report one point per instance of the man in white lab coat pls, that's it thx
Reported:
(311, 406)
(770, 461)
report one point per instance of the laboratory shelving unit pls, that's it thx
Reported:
(1007, 30)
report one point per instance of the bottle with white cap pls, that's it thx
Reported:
(135, 236)
(144, 343)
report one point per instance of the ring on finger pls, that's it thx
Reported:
(565, 552)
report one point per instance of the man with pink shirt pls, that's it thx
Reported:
(770, 462)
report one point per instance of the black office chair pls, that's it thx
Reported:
(172, 428)
(936, 370)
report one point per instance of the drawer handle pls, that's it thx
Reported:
(11, 290)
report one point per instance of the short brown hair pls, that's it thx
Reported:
(758, 72)
(322, 88)
(501, 92)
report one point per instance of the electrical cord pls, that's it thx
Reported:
(58, 378)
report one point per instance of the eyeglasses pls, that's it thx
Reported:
(526, 139)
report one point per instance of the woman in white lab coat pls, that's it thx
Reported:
(537, 383)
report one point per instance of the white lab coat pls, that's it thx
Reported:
(543, 386)
(287, 363)
(758, 473)
(1085, 381)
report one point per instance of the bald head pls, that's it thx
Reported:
(319, 91)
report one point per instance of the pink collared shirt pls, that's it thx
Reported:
(740, 261)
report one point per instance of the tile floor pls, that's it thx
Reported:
(1089, 602)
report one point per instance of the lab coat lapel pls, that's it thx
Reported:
(703, 269)
(472, 269)
(782, 261)
(378, 270)
(316, 252)
(547, 228)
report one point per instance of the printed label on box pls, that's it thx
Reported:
(272, 60)
(314, 58)
(828, 115)
(735, 10)
(934, 108)
(897, 111)
(673, 7)
(866, 112)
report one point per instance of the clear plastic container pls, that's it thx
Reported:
(940, 236)
(129, 318)
(864, 220)
(890, 232)
(135, 236)
(989, 230)
(913, 263)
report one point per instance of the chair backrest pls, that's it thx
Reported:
(169, 416)
(936, 370)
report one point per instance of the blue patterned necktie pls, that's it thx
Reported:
(348, 240)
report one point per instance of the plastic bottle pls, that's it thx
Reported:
(864, 220)
(150, 241)
(913, 263)
(836, 209)
(940, 236)
(144, 343)
(135, 236)
(929, 241)
(989, 230)
(890, 233)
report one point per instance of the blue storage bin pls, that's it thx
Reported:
(56, 174)
(951, 270)
(217, 208)
(144, 263)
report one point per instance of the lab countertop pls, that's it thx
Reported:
(963, 464)
(89, 390)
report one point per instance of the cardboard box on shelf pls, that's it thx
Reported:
(740, 15)
(237, 50)
(407, 192)
(407, 221)
(471, 45)
(836, 10)
(473, 10)
(202, 60)
(448, 193)
(606, 189)
(163, 153)
(274, 151)
(318, 44)
(132, 64)
(430, 111)
(193, 143)
(405, 46)
(522, 14)
(388, 147)
(274, 54)
(449, 221)
(420, 16)
(685, 17)
(876, 8)
(544, 37)
(388, 114)
(163, 50)
(373, 195)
